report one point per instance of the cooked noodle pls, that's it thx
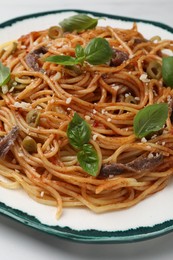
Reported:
(99, 94)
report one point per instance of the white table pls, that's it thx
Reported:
(20, 242)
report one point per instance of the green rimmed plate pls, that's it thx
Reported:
(151, 218)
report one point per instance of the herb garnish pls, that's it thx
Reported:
(79, 23)
(79, 134)
(150, 119)
(88, 159)
(4, 74)
(97, 51)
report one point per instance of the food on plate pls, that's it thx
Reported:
(86, 115)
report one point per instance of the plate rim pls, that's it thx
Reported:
(11, 21)
(89, 235)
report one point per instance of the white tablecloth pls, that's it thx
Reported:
(19, 242)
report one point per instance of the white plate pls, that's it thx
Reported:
(150, 218)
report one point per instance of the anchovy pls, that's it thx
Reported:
(118, 57)
(139, 40)
(8, 140)
(138, 165)
(32, 58)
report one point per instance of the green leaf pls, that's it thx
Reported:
(78, 22)
(78, 132)
(167, 71)
(79, 52)
(4, 74)
(62, 60)
(150, 119)
(98, 51)
(88, 159)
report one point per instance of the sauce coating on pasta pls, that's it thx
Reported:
(79, 140)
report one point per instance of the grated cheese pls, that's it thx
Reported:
(165, 132)
(14, 83)
(116, 87)
(144, 78)
(4, 89)
(137, 98)
(57, 76)
(20, 154)
(154, 92)
(95, 136)
(21, 105)
(143, 140)
(87, 118)
(68, 100)
(169, 99)
(154, 136)
(42, 194)
(150, 155)
(23, 47)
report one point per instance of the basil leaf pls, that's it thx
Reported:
(78, 22)
(79, 51)
(62, 60)
(4, 74)
(98, 51)
(167, 71)
(78, 132)
(80, 55)
(88, 159)
(150, 119)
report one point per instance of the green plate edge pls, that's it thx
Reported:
(92, 235)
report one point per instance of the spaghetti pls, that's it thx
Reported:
(41, 98)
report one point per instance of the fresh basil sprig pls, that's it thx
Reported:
(80, 53)
(79, 134)
(79, 23)
(97, 51)
(63, 60)
(167, 71)
(4, 74)
(88, 159)
(150, 119)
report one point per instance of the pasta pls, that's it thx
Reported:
(41, 97)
